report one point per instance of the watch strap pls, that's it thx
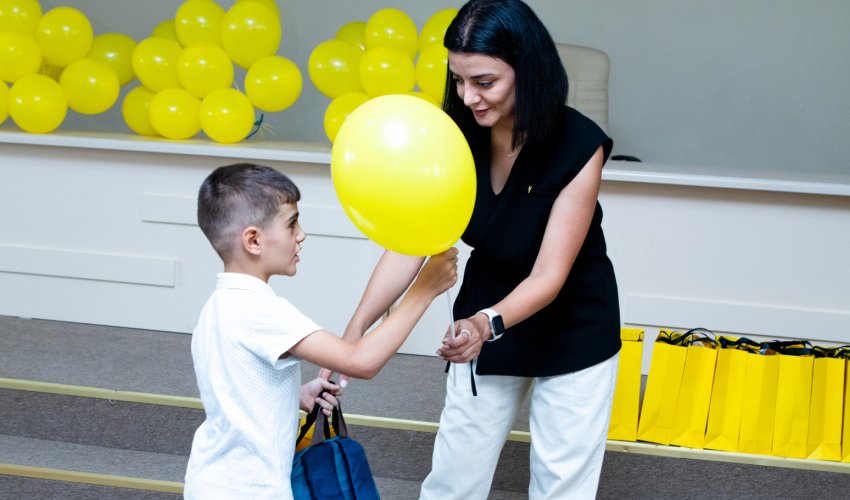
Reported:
(497, 326)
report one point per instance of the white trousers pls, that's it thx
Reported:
(568, 423)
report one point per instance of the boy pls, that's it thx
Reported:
(248, 341)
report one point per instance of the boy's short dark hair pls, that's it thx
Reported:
(237, 196)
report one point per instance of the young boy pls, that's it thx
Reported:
(248, 341)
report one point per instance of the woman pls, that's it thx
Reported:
(538, 302)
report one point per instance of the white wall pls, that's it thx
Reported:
(758, 84)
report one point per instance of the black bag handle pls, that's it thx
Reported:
(317, 417)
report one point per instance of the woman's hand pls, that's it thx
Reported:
(469, 339)
(320, 391)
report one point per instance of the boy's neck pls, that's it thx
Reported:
(234, 266)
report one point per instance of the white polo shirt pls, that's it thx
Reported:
(245, 447)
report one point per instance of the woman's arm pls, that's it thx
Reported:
(391, 277)
(565, 232)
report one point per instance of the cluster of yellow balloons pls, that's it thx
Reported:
(384, 55)
(50, 61)
(186, 69)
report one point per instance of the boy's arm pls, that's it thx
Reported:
(391, 277)
(365, 357)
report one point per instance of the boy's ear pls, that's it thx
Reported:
(251, 240)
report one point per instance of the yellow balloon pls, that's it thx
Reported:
(155, 63)
(136, 111)
(204, 67)
(435, 28)
(404, 174)
(334, 67)
(425, 97)
(167, 30)
(391, 28)
(19, 56)
(21, 16)
(227, 116)
(250, 32)
(174, 114)
(116, 51)
(90, 86)
(431, 70)
(353, 32)
(386, 70)
(64, 35)
(4, 102)
(339, 109)
(273, 83)
(197, 22)
(37, 104)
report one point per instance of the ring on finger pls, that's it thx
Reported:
(465, 332)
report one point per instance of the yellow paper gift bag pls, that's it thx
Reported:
(824, 439)
(624, 411)
(694, 395)
(845, 435)
(727, 395)
(662, 389)
(759, 405)
(793, 402)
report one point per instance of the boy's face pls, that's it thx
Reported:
(282, 241)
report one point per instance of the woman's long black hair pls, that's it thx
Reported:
(509, 30)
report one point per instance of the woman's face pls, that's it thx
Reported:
(487, 86)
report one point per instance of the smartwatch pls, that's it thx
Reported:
(497, 326)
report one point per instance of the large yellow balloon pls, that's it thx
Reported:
(273, 83)
(334, 67)
(37, 104)
(250, 32)
(391, 28)
(116, 51)
(435, 28)
(19, 56)
(386, 70)
(431, 69)
(174, 114)
(136, 111)
(227, 116)
(198, 22)
(64, 35)
(353, 32)
(204, 67)
(339, 109)
(404, 174)
(155, 63)
(166, 29)
(21, 16)
(90, 86)
(4, 102)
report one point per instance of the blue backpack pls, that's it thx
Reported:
(331, 467)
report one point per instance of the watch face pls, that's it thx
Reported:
(498, 325)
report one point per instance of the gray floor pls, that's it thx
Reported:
(98, 434)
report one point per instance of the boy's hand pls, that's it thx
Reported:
(438, 274)
(320, 391)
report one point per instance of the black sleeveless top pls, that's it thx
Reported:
(581, 327)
